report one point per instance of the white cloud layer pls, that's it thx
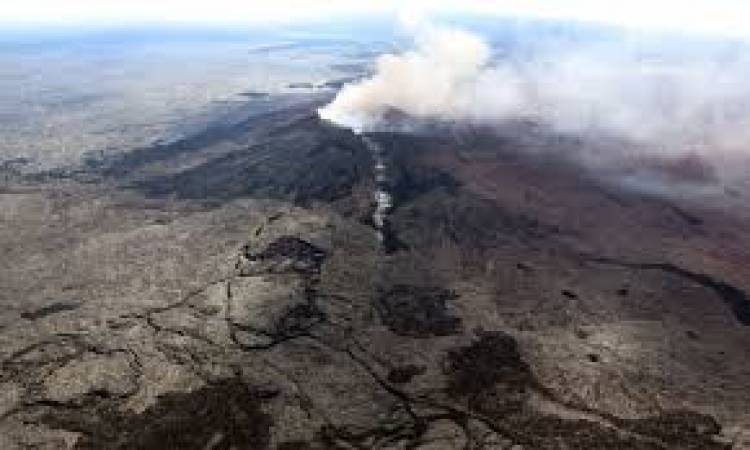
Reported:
(719, 17)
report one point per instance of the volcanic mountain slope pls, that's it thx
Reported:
(229, 291)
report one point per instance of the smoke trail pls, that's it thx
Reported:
(382, 195)
(427, 82)
(662, 107)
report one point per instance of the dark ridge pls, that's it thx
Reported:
(301, 162)
(445, 210)
(417, 311)
(122, 165)
(735, 298)
(412, 182)
(223, 416)
(408, 179)
(465, 220)
(224, 129)
(48, 310)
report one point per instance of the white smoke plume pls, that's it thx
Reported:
(675, 106)
(436, 79)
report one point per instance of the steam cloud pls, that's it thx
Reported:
(440, 78)
(674, 106)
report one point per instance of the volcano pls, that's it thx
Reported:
(228, 290)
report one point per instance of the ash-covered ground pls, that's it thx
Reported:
(227, 289)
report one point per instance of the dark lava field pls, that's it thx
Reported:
(228, 290)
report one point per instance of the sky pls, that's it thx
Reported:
(706, 17)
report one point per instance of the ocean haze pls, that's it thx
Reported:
(68, 94)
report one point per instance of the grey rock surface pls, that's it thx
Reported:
(273, 317)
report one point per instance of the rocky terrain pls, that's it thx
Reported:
(228, 291)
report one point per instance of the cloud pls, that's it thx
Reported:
(717, 17)
(659, 107)
(433, 80)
